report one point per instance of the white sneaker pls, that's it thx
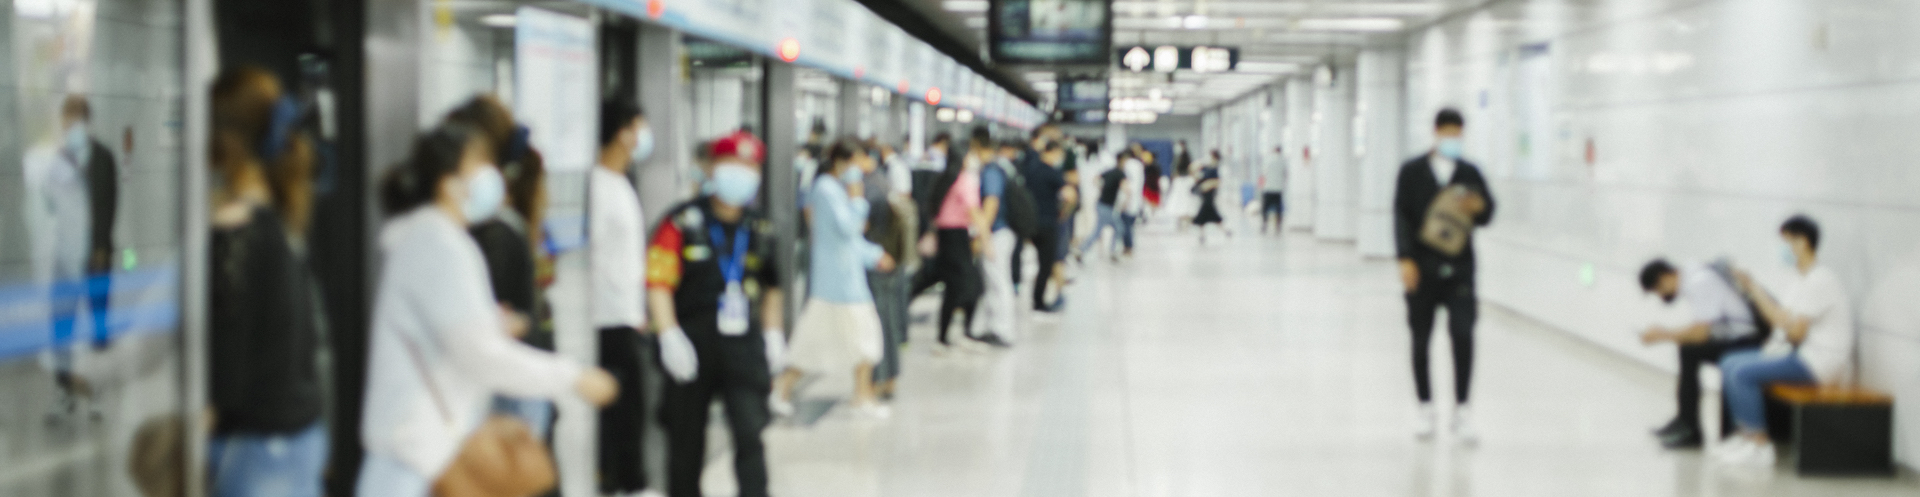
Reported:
(1423, 423)
(1463, 426)
(1732, 449)
(1744, 452)
(781, 406)
(875, 411)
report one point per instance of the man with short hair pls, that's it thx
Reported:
(1723, 324)
(1050, 190)
(616, 251)
(1433, 278)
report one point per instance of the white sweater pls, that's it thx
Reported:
(439, 352)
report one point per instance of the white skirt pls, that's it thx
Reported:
(832, 337)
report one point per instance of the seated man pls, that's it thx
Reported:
(1815, 317)
(1723, 323)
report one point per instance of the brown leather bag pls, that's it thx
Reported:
(500, 459)
(1448, 225)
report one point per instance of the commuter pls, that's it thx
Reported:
(616, 249)
(68, 208)
(1151, 186)
(1433, 277)
(1273, 186)
(1815, 317)
(955, 198)
(840, 327)
(997, 317)
(1050, 193)
(508, 238)
(1112, 183)
(1723, 325)
(267, 400)
(892, 223)
(1132, 201)
(1208, 189)
(715, 293)
(1185, 197)
(441, 349)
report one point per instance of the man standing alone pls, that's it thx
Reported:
(1436, 273)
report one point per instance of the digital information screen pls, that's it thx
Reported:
(1050, 31)
(1083, 94)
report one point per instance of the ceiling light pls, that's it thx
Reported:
(1351, 24)
(964, 5)
(1194, 22)
(499, 20)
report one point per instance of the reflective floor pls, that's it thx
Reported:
(1256, 366)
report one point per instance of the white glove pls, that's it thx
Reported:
(776, 350)
(677, 355)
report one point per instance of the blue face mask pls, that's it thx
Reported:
(735, 185)
(76, 140)
(485, 191)
(1788, 257)
(852, 176)
(1449, 148)
(644, 148)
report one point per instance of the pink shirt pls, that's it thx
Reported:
(956, 211)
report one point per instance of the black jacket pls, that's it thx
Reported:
(103, 191)
(1413, 193)
(261, 337)
(510, 267)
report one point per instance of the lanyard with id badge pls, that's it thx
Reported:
(734, 309)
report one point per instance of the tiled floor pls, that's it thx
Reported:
(1259, 366)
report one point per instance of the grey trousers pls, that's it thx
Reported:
(890, 298)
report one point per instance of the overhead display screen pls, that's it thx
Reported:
(1083, 93)
(1050, 31)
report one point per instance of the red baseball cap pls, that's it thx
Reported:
(739, 144)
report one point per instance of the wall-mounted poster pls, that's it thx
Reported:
(1050, 31)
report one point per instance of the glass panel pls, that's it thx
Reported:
(90, 148)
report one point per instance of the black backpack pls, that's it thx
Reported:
(1017, 204)
(1762, 328)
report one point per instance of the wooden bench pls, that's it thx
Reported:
(1833, 430)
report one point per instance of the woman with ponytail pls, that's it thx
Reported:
(268, 435)
(441, 348)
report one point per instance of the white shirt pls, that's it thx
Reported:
(1443, 168)
(1712, 299)
(1276, 174)
(1131, 196)
(58, 214)
(617, 251)
(1827, 349)
(439, 352)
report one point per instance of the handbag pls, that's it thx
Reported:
(501, 458)
(1447, 224)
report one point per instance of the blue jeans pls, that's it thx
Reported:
(537, 413)
(1746, 375)
(1121, 224)
(247, 464)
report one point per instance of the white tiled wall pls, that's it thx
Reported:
(1335, 176)
(1709, 122)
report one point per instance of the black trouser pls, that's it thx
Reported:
(1463, 309)
(623, 422)
(1046, 247)
(733, 369)
(1692, 357)
(953, 265)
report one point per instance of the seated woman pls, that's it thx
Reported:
(1816, 319)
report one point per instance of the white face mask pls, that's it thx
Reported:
(1787, 256)
(485, 192)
